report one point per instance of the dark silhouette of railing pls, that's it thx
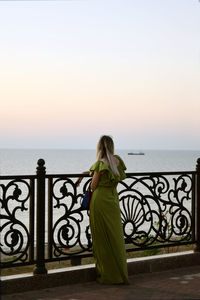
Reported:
(42, 219)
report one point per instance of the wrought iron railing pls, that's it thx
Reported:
(42, 219)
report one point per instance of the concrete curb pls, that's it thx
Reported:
(26, 282)
(165, 262)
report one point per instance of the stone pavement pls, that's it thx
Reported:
(177, 284)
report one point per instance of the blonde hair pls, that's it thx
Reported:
(105, 150)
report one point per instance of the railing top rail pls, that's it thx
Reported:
(75, 175)
(17, 177)
(67, 175)
(127, 174)
(161, 173)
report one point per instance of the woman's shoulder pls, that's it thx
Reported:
(121, 162)
(117, 157)
(99, 166)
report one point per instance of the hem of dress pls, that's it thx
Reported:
(99, 280)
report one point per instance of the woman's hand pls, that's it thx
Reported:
(77, 183)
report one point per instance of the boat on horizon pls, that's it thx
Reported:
(136, 153)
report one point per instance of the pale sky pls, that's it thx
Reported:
(71, 71)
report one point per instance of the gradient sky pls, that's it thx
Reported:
(71, 71)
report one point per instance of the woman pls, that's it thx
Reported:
(105, 220)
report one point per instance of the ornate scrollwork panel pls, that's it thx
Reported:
(70, 231)
(156, 209)
(14, 215)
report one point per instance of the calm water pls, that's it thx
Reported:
(24, 162)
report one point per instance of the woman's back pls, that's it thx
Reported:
(108, 178)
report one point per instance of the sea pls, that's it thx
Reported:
(60, 161)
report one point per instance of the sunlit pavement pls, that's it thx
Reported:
(176, 284)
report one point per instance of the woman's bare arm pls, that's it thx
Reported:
(95, 180)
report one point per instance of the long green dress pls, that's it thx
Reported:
(106, 227)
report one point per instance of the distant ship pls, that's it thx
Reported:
(136, 153)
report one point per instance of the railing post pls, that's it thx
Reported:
(197, 225)
(40, 225)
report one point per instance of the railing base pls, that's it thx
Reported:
(197, 248)
(40, 270)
